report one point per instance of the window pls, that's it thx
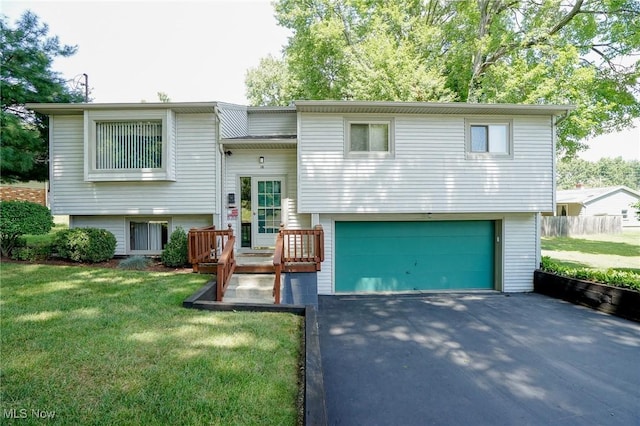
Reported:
(493, 138)
(625, 214)
(148, 236)
(129, 147)
(368, 138)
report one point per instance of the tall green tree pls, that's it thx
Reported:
(269, 84)
(602, 173)
(581, 52)
(26, 76)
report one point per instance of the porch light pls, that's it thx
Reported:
(261, 160)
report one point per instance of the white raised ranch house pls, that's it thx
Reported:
(411, 196)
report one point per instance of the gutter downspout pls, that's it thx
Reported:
(220, 177)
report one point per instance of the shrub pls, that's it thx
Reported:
(18, 218)
(135, 263)
(175, 252)
(33, 252)
(86, 244)
(611, 276)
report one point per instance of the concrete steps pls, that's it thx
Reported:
(250, 288)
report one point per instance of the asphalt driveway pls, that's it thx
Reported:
(476, 359)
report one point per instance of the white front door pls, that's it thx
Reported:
(266, 193)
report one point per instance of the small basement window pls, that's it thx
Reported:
(368, 138)
(489, 138)
(148, 236)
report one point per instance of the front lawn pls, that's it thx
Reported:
(616, 251)
(106, 346)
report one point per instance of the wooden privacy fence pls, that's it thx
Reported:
(569, 226)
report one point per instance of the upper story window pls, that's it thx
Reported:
(492, 138)
(133, 146)
(369, 138)
(128, 145)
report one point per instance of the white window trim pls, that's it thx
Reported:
(368, 154)
(165, 173)
(487, 122)
(129, 219)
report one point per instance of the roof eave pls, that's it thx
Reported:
(79, 108)
(430, 107)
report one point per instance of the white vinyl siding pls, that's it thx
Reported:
(233, 120)
(325, 275)
(118, 225)
(113, 224)
(278, 163)
(193, 192)
(429, 172)
(520, 252)
(272, 124)
(613, 205)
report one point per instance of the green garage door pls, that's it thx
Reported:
(406, 256)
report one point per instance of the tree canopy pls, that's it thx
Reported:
(26, 76)
(580, 52)
(602, 173)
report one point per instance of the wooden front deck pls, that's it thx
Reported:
(296, 250)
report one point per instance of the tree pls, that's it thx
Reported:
(26, 76)
(532, 52)
(163, 97)
(604, 172)
(269, 83)
(19, 218)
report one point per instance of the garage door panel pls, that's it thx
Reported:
(406, 256)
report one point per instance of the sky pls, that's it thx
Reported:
(190, 50)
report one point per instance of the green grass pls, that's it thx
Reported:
(45, 238)
(106, 346)
(591, 246)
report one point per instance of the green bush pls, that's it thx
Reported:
(611, 276)
(86, 244)
(175, 252)
(18, 218)
(33, 252)
(135, 263)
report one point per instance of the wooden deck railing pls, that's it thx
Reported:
(208, 245)
(225, 268)
(297, 250)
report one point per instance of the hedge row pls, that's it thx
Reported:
(611, 276)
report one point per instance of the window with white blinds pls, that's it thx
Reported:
(121, 145)
(128, 145)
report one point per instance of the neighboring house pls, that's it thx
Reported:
(609, 201)
(411, 196)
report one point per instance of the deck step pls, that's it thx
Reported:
(250, 288)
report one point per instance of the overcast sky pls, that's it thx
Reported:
(191, 50)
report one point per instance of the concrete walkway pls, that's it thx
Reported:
(476, 359)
